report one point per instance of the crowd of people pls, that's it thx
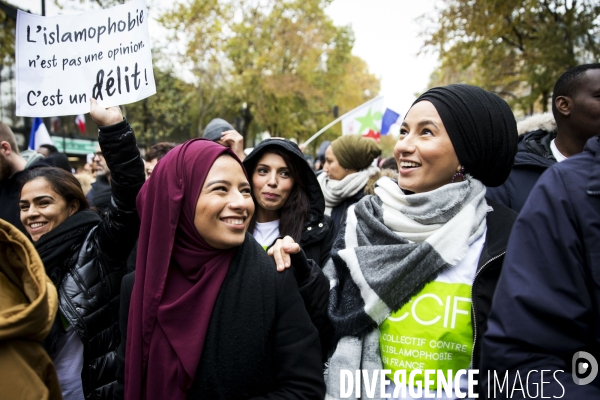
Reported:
(200, 271)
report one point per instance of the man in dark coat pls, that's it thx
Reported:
(546, 308)
(12, 169)
(577, 119)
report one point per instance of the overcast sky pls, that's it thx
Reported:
(386, 37)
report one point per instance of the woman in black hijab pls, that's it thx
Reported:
(414, 268)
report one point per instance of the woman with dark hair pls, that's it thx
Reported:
(209, 317)
(415, 266)
(85, 257)
(288, 199)
(62, 183)
(154, 155)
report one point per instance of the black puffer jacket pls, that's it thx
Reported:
(89, 293)
(533, 157)
(318, 234)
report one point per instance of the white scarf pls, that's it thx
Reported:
(437, 214)
(336, 192)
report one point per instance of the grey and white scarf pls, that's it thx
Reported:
(337, 191)
(391, 246)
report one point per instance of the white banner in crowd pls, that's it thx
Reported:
(63, 61)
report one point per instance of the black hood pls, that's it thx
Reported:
(315, 195)
(534, 149)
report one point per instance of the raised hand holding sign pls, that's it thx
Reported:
(64, 61)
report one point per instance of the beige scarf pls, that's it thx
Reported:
(336, 192)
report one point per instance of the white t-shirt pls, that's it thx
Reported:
(68, 363)
(265, 233)
(556, 153)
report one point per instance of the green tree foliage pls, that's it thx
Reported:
(281, 61)
(517, 48)
(284, 58)
(164, 116)
(7, 40)
(202, 27)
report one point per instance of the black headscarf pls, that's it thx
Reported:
(482, 128)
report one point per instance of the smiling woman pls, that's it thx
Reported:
(201, 280)
(224, 206)
(442, 238)
(49, 197)
(422, 248)
(85, 257)
(424, 152)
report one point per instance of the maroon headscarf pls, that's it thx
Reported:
(178, 277)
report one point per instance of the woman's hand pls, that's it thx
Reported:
(104, 116)
(281, 251)
(234, 140)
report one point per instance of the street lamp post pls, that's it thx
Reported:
(245, 122)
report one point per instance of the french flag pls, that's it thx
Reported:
(39, 135)
(80, 122)
(389, 118)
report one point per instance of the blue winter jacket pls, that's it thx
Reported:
(547, 303)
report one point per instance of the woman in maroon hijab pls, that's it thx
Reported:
(209, 316)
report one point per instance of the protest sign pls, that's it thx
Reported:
(63, 61)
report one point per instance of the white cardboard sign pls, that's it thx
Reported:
(63, 61)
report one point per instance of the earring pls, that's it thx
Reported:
(460, 173)
(346, 169)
